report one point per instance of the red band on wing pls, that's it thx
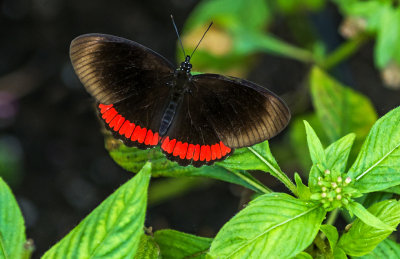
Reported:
(127, 129)
(194, 152)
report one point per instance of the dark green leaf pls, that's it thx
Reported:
(386, 249)
(132, 159)
(331, 234)
(338, 153)
(147, 249)
(175, 245)
(340, 109)
(12, 227)
(362, 238)
(113, 229)
(264, 229)
(377, 166)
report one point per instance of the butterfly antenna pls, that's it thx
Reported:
(209, 26)
(177, 33)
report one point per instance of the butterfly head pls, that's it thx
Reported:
(186, 66)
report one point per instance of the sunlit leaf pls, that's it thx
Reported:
(264, 229)
(338, 152)
(362, 238)
(114, 228)
(331, 234)
(12, 227)
(315, 147)
(377, 166)
(147, 249)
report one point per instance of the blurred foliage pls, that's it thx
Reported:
(10, 160)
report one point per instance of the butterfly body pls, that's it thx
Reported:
(146, 102)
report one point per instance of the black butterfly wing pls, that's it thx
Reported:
(242, 113)
(222, 113)
(128, 80)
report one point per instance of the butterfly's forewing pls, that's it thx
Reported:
(128, 81)
(219, 114)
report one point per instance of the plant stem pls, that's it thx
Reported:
(277, 173)
(344, 51)
(252, 182)
(332, 217)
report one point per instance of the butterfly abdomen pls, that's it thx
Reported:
(169, 113)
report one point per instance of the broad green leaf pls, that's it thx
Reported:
(340, 109)
(175, 245)
(331, 234)
(315, 147)
(264, 229)
(338, 153)
(12, 227)
(388, 38)
(132, 159)
(368, 218)
(377, 166)
(362, 238)
(303, 255)
(294, 6)
(386, 249)
(147, 249)
(114, 228)
(257, 157)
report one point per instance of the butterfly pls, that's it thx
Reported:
(145, 101)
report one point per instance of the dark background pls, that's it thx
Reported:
(53, 151)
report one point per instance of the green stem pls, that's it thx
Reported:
(332, 217)
(252, 182)
(277, 173)
(344, 51)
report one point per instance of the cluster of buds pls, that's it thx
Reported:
(333, 191)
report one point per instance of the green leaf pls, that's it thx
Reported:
(365, 216)
(395, 189)
(302, 189)
(264, 229)
(338, 253)
(113, 229)
(12, 227)
(132, 159)
(362, 238)
(386, 249)
(299, 142)
(148, 249)
(377, 166)
(340, 109)
(388, 38)
(257, 157)
(315, 147)
(331, 234)
(303, 255)
(338, 153)
(175, 245)
(313, 179)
